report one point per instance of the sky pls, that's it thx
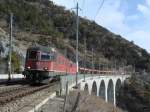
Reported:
(128, 18)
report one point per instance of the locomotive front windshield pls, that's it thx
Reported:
(47, 56)
(40, 55)
(33, 55)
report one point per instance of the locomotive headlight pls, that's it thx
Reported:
(28, 67)
(45, 68)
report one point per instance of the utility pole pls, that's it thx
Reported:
(99, 65)
(65, 100)
(115, 72)
(84, 57)
(77, 42)
(92, 61)
(66, 60)
(10, 47)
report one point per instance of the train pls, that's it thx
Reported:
(43, 64)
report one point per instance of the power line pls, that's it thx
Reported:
(100, 7)
(74, 1)
(83, 4)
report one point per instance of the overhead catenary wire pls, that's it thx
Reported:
(83, 4)
(99, 9)
(74, 1)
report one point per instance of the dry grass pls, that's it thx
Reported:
(88, 103)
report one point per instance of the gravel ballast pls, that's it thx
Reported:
(28, 102)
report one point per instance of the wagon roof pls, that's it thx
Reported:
(46, 49)
(41, 48)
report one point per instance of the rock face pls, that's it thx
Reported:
(135, 95)
(3, 44)
(4, 50)
(81, 102)
(3, 67)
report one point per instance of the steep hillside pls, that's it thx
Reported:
(42, 22)
(134, 96)
(18, 53)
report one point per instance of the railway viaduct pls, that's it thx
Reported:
(104, 86)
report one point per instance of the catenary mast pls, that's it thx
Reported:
(77, 42)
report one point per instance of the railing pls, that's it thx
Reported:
(71, 79)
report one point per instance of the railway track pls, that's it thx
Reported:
(13, 94)
(12, 86)
(5, 90)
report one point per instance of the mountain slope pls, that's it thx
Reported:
(134, 96)
(42, 22)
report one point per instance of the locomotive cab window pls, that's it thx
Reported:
(46, 56)
(33, 55)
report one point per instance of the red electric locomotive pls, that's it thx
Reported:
(43, 63)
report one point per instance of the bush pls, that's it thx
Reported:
(15, 62)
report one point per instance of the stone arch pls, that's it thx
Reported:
(94, 89)
(118, 84)
(110, 91)
(86, 88)
(102, 89)
(117, 88)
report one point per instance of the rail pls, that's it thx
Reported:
(11, 95)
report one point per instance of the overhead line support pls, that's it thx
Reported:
(77, 42)
(10, 48)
